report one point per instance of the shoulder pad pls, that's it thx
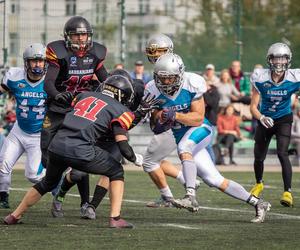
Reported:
(194, 83)
(260, 75)
(56, 50)
(98, 50)
(14, 74)
(152, 89)
(293, 75)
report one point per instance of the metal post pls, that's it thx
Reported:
(239, 43)
(4, 34)
(123, 31)
(45, 21)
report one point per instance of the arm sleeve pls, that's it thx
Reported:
(101, 72)
(49, 85)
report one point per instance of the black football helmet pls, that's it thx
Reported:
(119, 88)
(78, 25)
(121, 72)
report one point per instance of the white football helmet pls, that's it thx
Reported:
(168, 73)
(279, 57)
(35, 51)
(158, 45)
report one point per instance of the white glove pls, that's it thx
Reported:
(266, 121)
(139, 160)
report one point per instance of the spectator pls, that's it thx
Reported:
(228, 130)
(211, 99)
(139, 73)
(227, 90)
(210, 76)
(119, 66)
(241, 82)
(295, 134)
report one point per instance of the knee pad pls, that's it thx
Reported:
(119, 175)
(76, 175)
(186, 146)
(214, 181)
(44, 187)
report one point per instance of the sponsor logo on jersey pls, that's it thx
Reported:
(73, 61)
(267, 85)
(81, 71)
(32, 94)
(21, 85)
(88, 60)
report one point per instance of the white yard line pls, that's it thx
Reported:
(278, 215)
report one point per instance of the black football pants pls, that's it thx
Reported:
(102, 164)
(282, 131)
(51, 125)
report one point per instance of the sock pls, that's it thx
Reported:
(64, 188)
(84, 189)
(117, 217)
(237, 191)
(98, 196)
(190, 191)
(166, 192)
(3, 196)
(189, 173)
(252, 200)
(180, 178)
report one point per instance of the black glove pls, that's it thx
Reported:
(64, 98)
(147, 104)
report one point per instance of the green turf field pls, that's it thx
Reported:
(222, 223)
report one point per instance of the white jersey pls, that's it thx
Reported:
(192, 88)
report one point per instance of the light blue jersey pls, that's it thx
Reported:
(275, 99)
(193, 87)
(30, 98)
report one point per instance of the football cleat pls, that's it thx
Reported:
(11, 220)
(257, 189)
(198, 183)
(261, 210)
(162, 201)
(56, 209)
(286, 199)
(188, 202)
(87, 211)
(120, 223)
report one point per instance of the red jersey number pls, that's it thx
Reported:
(75, 84)
(89, 107)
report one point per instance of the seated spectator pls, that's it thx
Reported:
(228, 130)
(139, 73)
(210, 76)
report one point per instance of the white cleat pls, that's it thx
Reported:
(261, 208)
(188, 202)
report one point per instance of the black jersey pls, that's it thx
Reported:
(75, 71)
(89, 121)
(138, 87)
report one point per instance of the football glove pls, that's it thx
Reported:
(168, 116)
(266, 121)
(64, 98)
(139, 160)
(147, 104)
